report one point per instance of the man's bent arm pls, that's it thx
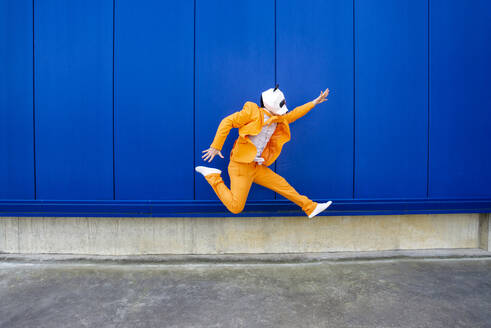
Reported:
(235, 120)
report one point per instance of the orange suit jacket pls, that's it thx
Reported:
(250, 121)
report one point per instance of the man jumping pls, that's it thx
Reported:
(262, 133)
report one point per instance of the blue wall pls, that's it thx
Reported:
(73, 99)
(106, 106)
(153, 100)
(16, 101)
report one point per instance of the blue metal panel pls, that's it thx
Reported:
(391, 99)
(73, 78)
(460, 99)
(315, 51)
(234, 64)
(16, 128)
(154, 49)
(274, 208)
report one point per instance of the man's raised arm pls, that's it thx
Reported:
(300, 111)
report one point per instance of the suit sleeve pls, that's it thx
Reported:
(235, 120)
(299, 111)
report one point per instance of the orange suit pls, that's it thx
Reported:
(243, 170)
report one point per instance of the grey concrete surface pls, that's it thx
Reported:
(372, 293)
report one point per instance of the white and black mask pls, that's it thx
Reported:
(274, 101)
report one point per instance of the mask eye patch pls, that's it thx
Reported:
(282, 103)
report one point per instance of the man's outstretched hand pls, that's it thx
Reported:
(210, 153)
(322, 97)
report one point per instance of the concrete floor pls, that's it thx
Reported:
(375, 293)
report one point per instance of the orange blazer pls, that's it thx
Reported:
(250, 121)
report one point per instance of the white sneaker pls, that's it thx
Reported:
(319, 208)
(207, 170)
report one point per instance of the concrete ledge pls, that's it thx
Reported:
(467, 253)
(140, 236)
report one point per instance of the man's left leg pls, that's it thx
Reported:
(269, 179)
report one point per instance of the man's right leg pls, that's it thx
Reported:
(240, 183)
(270, 179)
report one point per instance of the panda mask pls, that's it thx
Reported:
(274, 101)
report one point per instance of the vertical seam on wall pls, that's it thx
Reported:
(275, 44)
(34, 104)
(354, 99)
(275, 77)
(18, 232)
(428, 118)
(194, 101)
(114, 159)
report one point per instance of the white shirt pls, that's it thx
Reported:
(261, 140)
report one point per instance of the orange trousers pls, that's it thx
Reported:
(242, 175)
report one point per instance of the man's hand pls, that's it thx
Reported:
(321, 98)
(210, 153)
